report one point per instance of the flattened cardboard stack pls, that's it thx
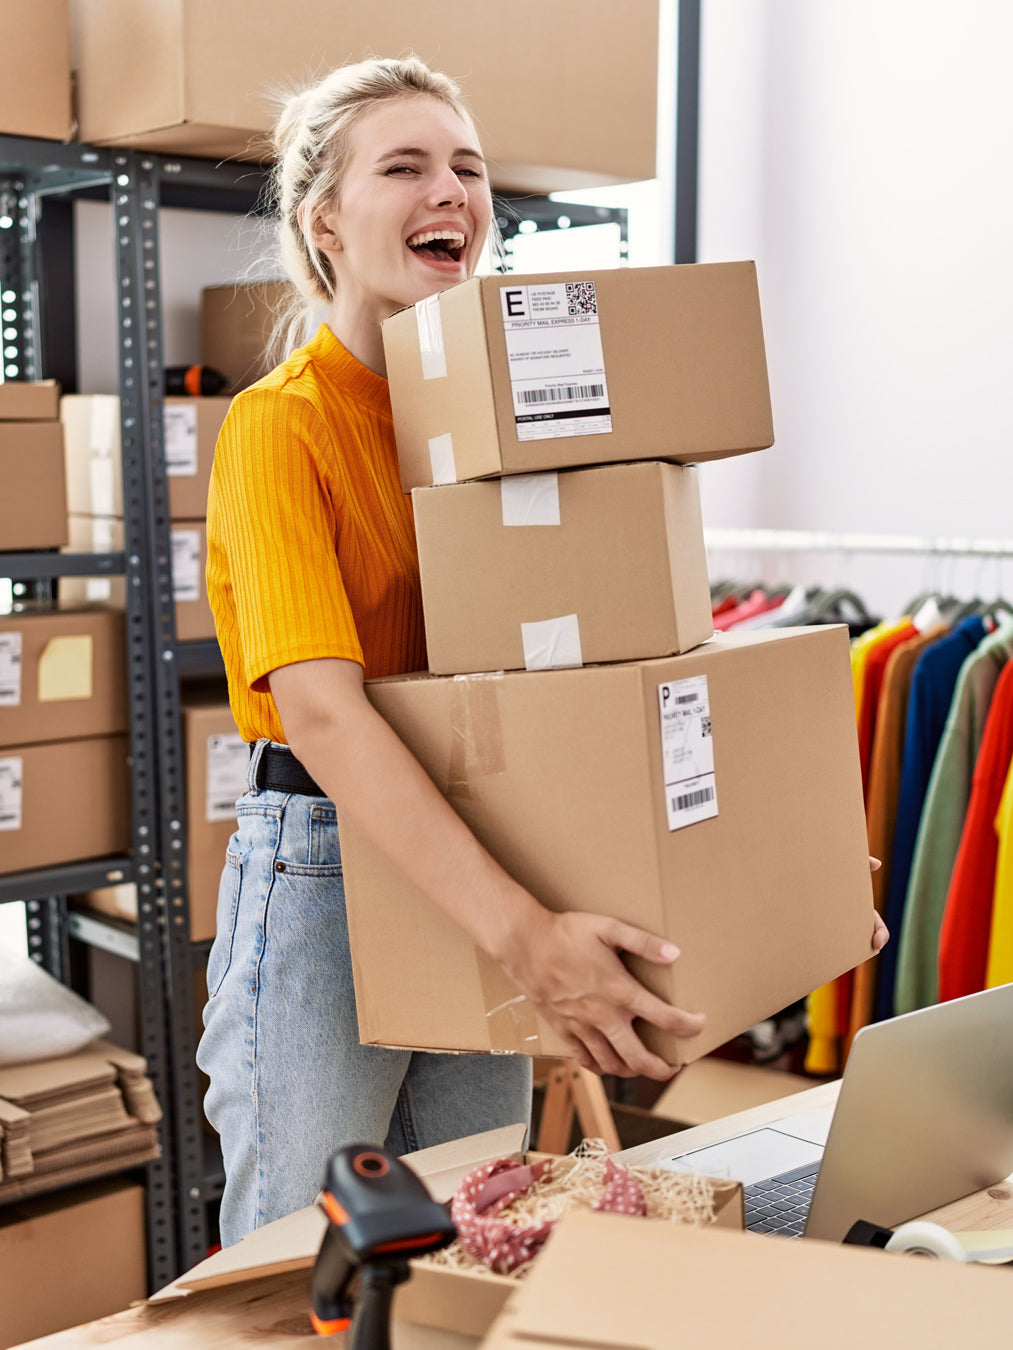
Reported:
(72, 1118)
(607, 750)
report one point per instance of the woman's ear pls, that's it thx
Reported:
(322, 231)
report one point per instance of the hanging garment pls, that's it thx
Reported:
(967, 920)
(932, 686)
(759, 602)
(942, 820)
(1000, 945)
(875, 668)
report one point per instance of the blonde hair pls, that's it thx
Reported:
(311, 149)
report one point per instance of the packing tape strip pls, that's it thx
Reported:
(922, 1238)
(530, 499)
(476, 737)
(442, 464)
(509, 1015)
(552, 644)
(430, 330)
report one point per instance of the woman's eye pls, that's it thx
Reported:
(402, 168)
(464, 172)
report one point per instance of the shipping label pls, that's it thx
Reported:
(10, 670)
(228, 763)
(11, 774)
(687, 751)
(554, 355)
(185, 564)
(180, 422)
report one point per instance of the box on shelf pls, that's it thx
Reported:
(236, 322)
(217, 763)
(93, 534)
(153, 76)
(33, 503)
(712, 798)
(62, 675)
(541, 570)
(94, 459)
(70, 1258)
(189, 543)
(119, 901)
(29, 400)
(63, 801)
(35, 90)
(516, 374)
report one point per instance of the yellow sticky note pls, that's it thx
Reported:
(65, 669)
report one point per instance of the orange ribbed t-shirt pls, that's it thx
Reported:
(311, 542)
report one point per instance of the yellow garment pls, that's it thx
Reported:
(1000, 947)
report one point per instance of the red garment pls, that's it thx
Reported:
(757, 603)
(875, 667)
(967, 921)
(723, 606)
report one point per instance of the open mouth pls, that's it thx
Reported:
(440, 245)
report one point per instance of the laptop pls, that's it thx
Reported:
(924, 1116)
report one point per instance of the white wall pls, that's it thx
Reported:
(861, 151)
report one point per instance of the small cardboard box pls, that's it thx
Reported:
(516, 374)
(29, 400)
(543, 570)
(602, 1280)
(35, 89)
(71, 1257)
(94, 458)
(154, 76)
(217, 763)
(189, 543)
(236, 322)
(63, 801)
(62, 675)
(712, 798)
(33, 503)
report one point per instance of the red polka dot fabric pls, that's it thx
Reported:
(504, 1246)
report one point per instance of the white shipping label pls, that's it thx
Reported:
(687, 751)
(554, 355)
(185, 564)
(11, 773)
(228, 763)
(10, 670)
(530, 499)
(180, 422)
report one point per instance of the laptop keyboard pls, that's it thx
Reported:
(780, 1204)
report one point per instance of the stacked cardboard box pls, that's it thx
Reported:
(91, 424)
(35, 90)
(607, 751)
(33, 506)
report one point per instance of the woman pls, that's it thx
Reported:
(312, 574)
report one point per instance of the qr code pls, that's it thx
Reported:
(705, 727)
(580, 298)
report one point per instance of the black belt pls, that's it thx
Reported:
(280, 771)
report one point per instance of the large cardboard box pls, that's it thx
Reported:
(94, 463)
(29, 400)
(217, 763)
(236, 323)
(35, 89)
(712, 798)
(536, 571)
(564, 95)
(33, 503)
(62, 675)
(63, 801)
(70, 1258)
(516, 374)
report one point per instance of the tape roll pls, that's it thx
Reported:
(927, 1239)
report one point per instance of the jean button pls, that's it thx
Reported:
(279, 867)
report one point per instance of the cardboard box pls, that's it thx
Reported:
(543, 570)
(595, 799)
(516, 374)
(70, 1258)
(63, 801)
(217, 764)
(94, 462)
(35, 90)
(189, 542)
(29, 400)
(93, 534)
(236, 323)
(713, 1087)
(197, 78)
(33, 504)
(602, 1280)
(62, 675)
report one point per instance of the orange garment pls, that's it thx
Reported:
(311, 542)
(875, 668)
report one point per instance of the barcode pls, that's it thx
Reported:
(8, 817)
(561, 393)
(689, 799)
(686, 698)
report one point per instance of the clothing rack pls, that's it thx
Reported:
(822, 541)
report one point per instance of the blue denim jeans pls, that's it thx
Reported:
(290, 1081)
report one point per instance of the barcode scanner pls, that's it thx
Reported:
(380, 1216)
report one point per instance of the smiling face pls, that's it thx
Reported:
(412, 214)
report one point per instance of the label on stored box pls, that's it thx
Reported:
(228, 763)
(180, 423)
(185, 564)
(11, 774)
(555, 360)
(687, 751)
(10, 670)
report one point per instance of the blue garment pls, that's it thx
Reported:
(290, 1081)
(932, 685)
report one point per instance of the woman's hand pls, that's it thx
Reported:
(880, 932)
(569, 966)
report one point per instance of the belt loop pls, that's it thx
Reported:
(256, 754)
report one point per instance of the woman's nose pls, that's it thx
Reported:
(448, 190)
